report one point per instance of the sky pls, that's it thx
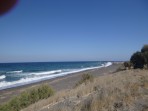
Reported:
(73, 30)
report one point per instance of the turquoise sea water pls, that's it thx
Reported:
(17, 74)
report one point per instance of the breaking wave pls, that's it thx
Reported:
(46, 72)
(40, 76)
(15, 71)
(2, 77)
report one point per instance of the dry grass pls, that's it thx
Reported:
(123, 91)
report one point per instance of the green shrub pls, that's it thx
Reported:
(15, 104)
(5, 107)
(127, 65)
(146, 57)
(137, 59)
(27, 98)
(140, 59)
(145, 54)
(144, 48)
(50, 92)
(45, 91)
(85, 78)
(34, 96)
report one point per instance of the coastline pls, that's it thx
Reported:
(59, 83)
(45, 75)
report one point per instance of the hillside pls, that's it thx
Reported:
(121, 91)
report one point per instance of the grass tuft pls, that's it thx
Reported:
(27, 98)
(85, 78)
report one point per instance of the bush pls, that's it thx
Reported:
(85, 78)
(27, 98)
(146, 58)
(34, 96)
(140, 59)
(5, 107)
(45, 91)
(144, 48)
(137, 59)
(15, 104)
(127, 65)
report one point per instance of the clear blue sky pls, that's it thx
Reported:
(73, 30)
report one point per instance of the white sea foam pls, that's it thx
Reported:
(27, 80)
(47, 75)
(46, 72)
(2, 77)
(15, 71)
(108, 64)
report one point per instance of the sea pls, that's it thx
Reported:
(18, 74)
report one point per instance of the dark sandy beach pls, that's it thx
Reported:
(58, 84)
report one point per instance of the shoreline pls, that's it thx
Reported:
(26, 81)
(58, 83)
(52, 76)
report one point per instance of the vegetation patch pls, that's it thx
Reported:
(85, 78)
(138, 60)
(122, 91)
(27, 98)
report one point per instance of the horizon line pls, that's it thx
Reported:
(64, 61)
